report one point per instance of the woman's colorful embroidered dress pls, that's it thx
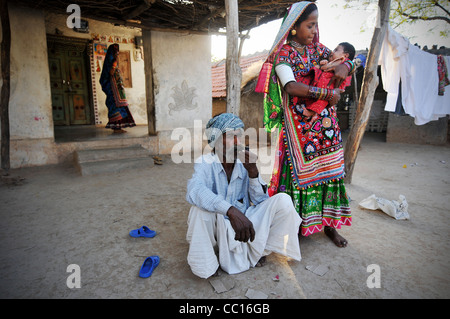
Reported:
(309, 164)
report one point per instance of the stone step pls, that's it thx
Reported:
(105, 154)
(112, 160)
(114, 166)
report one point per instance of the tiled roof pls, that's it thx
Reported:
(219, 83)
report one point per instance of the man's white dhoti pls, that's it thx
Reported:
(276, 225)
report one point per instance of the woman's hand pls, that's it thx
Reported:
(242, 226)
(340, 74)
(336, 96)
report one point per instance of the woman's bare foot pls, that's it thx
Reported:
(120, 131)
(337, 239)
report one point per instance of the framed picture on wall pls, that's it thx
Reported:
(125, 68)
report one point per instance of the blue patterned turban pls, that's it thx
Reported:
(221, 124)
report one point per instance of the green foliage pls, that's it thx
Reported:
(410, 11)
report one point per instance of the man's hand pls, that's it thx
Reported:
(242, 226)
(249, 160)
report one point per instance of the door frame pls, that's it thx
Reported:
(84, 45)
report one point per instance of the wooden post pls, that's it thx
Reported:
(233, 69)
(370, 83)
(355, 92)
(5, 92)
(149, 89)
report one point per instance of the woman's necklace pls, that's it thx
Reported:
(298, 46)
(301, 48)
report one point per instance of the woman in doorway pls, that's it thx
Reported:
(112, 84)
(309, 164)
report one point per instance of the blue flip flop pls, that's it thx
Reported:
(144, 231)
(148, 266)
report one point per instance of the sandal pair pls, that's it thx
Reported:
(157, 160)
(150, 263)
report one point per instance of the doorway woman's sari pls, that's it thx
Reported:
(112, 84)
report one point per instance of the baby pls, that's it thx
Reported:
(344, 51)
(323, 74)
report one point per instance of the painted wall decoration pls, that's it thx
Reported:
(183, 96)
(103, 38)
(100, 49)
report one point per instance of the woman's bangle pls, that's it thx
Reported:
(351, 67)
(313, 92)
(320, 93)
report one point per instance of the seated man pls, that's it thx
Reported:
(222, 217)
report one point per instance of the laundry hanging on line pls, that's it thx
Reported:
(418, 72)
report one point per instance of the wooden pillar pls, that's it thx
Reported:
(369, 85)
(149, 88)
(233, 69)
(5, 92)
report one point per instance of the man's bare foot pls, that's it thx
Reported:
(261, 262)
(337, 239)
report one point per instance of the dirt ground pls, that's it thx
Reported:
(55, 217)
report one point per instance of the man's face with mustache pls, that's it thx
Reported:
(230, 145)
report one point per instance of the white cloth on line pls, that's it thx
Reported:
(393, 59)
(417, 70)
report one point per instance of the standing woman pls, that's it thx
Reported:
(309, 163)
(112, 84)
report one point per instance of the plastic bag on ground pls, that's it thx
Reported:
(396, 209)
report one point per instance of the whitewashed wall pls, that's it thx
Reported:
(30, 110)
(182, 80)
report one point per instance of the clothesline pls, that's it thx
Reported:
(411, 78)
